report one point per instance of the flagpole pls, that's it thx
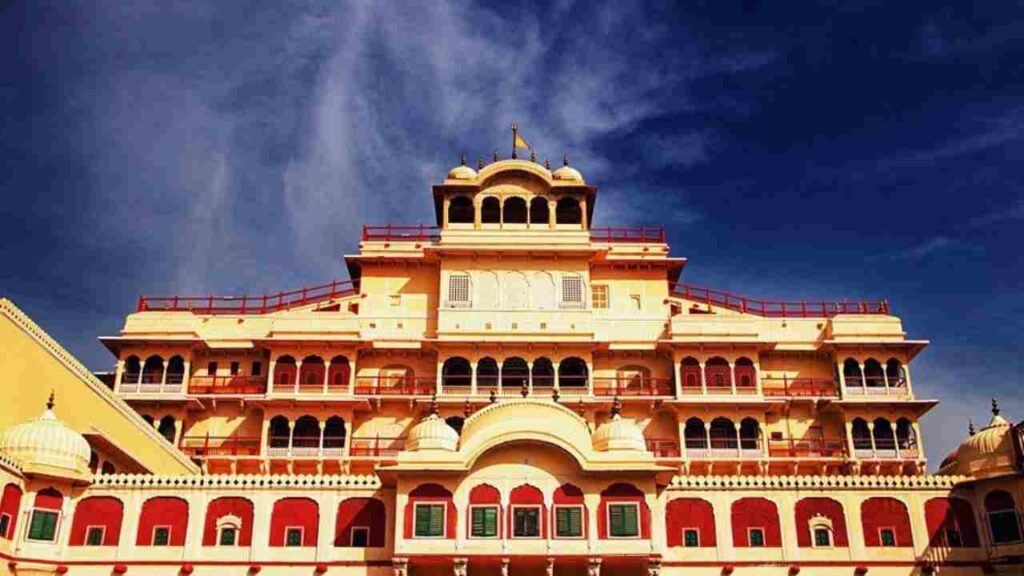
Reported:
(515, 132)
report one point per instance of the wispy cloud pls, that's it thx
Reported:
(1010, 213)
(995, 132)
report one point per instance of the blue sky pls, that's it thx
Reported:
(853, 150)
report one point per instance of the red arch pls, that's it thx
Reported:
(485, 494)
(571, 495)
(618, 493)
(808, 508)
(749, 513)
(163, 511)
(433, 493)
(228, 506)
(49, 499)
(97, 511)
(294, 513)
(368, 512)
(10, 504)
(884, 512)
(683, 513)
(950, 513)
(526, 494)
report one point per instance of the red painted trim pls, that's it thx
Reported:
(97, 511)
(808, 508)
(10, 504)
(294, 513)
(623, 492)
(163, 511)
(368, 512)
(527, 495)
(228, 506)
(430, 493)
(683, 513)
(885, 512)
(755, 512)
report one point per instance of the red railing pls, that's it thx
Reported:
(248, 304)
(227, 385)
(394, 386)
(633, 387)
(212, 446)
(392, 233)
(807, 448)
(663, 447)
(799, 387)
(775, 309)
(377, 447)
(638, 234)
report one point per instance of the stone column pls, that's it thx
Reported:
(529, 377)
(460, 566)
(298, 374)
(849, 439)
(444, 221)
(320, 448)
(917, 439)
(552, 209)
(739, 439)
(703, 379)
(352, 374)
(270, 375)
(186, 377)
(677, 370)
(906, 377)
(400, 566)
(118, 375)
(163, 377)
(291, 435)
(594, 566)
(871, 431)
(707, 435)
(472, 377)
(757, 377)
(265, 435)
(842, 378)
(327, 375)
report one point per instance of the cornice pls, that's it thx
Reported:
(237, 481)
(791, 482)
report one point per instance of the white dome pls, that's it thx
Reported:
(987, 453)
(432, 433)
(462, 172)
(568, 173)
(48, 446)
(618, 434)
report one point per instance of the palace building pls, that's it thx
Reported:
(510, 390)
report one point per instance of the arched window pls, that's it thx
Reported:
(885, 437)
(623, 513)
(455, 423)
(690, 522)
(723, 434)
(166, 428)
(340, 372)
(10, 504)
(572, 373)
(689, 371)
(484, 512)
(515, 210)
(746, 375)
(175, 370)
(132, 370)
(886, 523)
(148, 418)
(695, 435)
(97, 522)
(45, 515)
(228, 522)
(514, 373)
(543, 373)
(568, 211)
(527, 513)
(874, 375)
(153, 370)
(460, 210)
(284, 371)
(162, 522)
(539, 213)
(311, 373)
(852, 374)
(1003, 520)
(430, 513)
(456, 371)
(490, 210)
(906, 439)
(334, 434)
(278, 432)
(895, 374)
(569, 512)
(108, 468)
(750, 434)
(487, 373)
(820, 523)
(294, 522)
(950, 523)
(361, 523)
(717, 373)
(306, 435)
(755, 523)
(861, 434)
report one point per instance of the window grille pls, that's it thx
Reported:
(599, 296)
(572, 292)
(459, 291)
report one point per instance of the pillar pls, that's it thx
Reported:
(552, 207)
(583, 213)
(179, 426)
(444, 218)
(327, 375)
(270, 375)
(757, 377)
(186, 377)
(732, 377)
(298, 374)
(763, 438)
(906, 377)
(440, 374)
(320, 445)
(352, 374)
(916, 427)
(529, 377)
(739, 439)
(842, 378)
(291, 435)
(707, 435)
(677, 370)
(118, 376)
(871, 432)
(163, 376)
(703, 379)
(849, 439)
(472, 377)
(265, 435)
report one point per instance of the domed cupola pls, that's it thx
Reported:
(432, 433)
(567, 173)
(462, 171)
(988, 452)
(48, 447)
(617, 434)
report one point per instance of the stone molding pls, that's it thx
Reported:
(237, 481)
(789, 482)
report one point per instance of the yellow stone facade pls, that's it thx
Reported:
(509, 391)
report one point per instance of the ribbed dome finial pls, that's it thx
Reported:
(995, 407)
(616, 407)
(970, 427)
(49, 402)
(462, 159)
(433, 404)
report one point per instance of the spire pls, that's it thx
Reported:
(970, 427)
(616, 407)
(479, 162)
(525, 390)
(462, 159)
(547, 163)
(492, 397)
(995, 407)
(467, 409)
(533, 155)
(555, 395)
(49, 402)
(433, 404)
(565, 159)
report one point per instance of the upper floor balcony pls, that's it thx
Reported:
(777, 308)
(228, 385)
(243, 305)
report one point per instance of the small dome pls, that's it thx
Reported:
(462, 172)
(568, 173)
(432, 433)
(47, 446)
(989, 452)
(618, 434)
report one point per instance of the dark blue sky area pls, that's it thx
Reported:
(846, 151)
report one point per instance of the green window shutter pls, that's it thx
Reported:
(562, 522)
(623, 520)
(43, 525)
(569, 522)
(490, 522)
(631, 520)
(437, 520)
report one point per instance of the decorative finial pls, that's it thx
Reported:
(495, 155)
(533, 155)
(565, 159)
(555, 395)
(479, 162)
(616, 406)
(462, 159)
(582, 409)
(970, 427)
(995, 407)
(49, 402)
(492, 397)
(525, 390)
(547, 163)
(467, 409)
(433, 404)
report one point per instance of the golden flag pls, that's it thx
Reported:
(521, 142)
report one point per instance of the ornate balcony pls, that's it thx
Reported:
(394, 386)
(227, 385)
(786, 387)
(816, 448)
(657, 387)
